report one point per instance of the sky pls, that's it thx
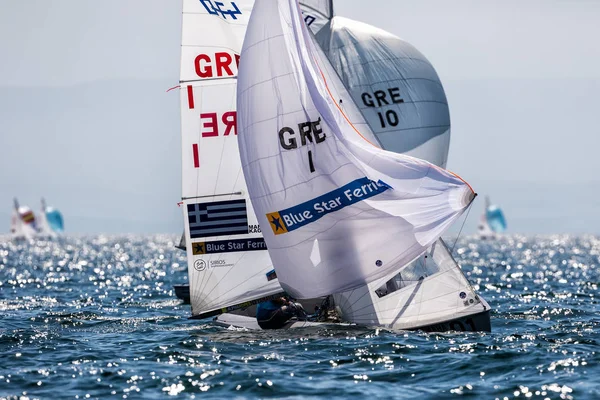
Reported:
(85, 120)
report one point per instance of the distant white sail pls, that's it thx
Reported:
(395, 86)
(43, 227)
(23, 222)
(333, 202)
(16, 228)
(227, 258)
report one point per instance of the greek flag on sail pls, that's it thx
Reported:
(221, 218)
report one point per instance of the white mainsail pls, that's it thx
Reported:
(43, 225)
(332, 200)
(16, 225)
(395, 86)
(227, 258)
(23, 223)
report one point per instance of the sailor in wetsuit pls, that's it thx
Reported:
(274, 314)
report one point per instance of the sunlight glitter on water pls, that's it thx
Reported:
(97, 317)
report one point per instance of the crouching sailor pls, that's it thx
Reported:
(274, 314)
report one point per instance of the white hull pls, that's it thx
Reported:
(404, 309)
(242, 321)
(430, 290)
(478, 322)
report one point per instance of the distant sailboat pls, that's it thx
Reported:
(50, 221)
(333, 201)
(23, 223)
(492, 221)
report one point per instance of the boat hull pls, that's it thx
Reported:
(472, 323)
(244, 321)
(479, 322)
(182, 292)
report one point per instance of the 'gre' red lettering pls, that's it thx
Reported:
(196, 156)
(221, 64)
(229, 119)
(190, 94)
(203, 71)
(211, 124)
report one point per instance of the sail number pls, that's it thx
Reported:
(216, 8)
(310, 131)
(219, 64)
(381, 98)
(212, 124)
(211, 127)
(309, 19)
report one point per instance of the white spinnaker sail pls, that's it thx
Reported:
(316, 13)
(227, 259)
(331, 200)
(395, 86)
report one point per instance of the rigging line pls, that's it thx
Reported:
(208, 79)
(212, 195)
(461, 227)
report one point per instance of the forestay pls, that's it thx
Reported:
(395, 86)
(227, 259)
(340, 211)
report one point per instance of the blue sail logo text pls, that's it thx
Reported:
(303, 214)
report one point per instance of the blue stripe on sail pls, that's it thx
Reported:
(313, 210)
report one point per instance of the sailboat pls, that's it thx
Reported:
(403, 100)
(333, 199)
(228, 20)
(492, 221)
(50, 221)
(229, 267)
(23, 222)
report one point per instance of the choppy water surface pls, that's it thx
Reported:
(96, 317)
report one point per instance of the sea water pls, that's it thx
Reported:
(96, 317)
